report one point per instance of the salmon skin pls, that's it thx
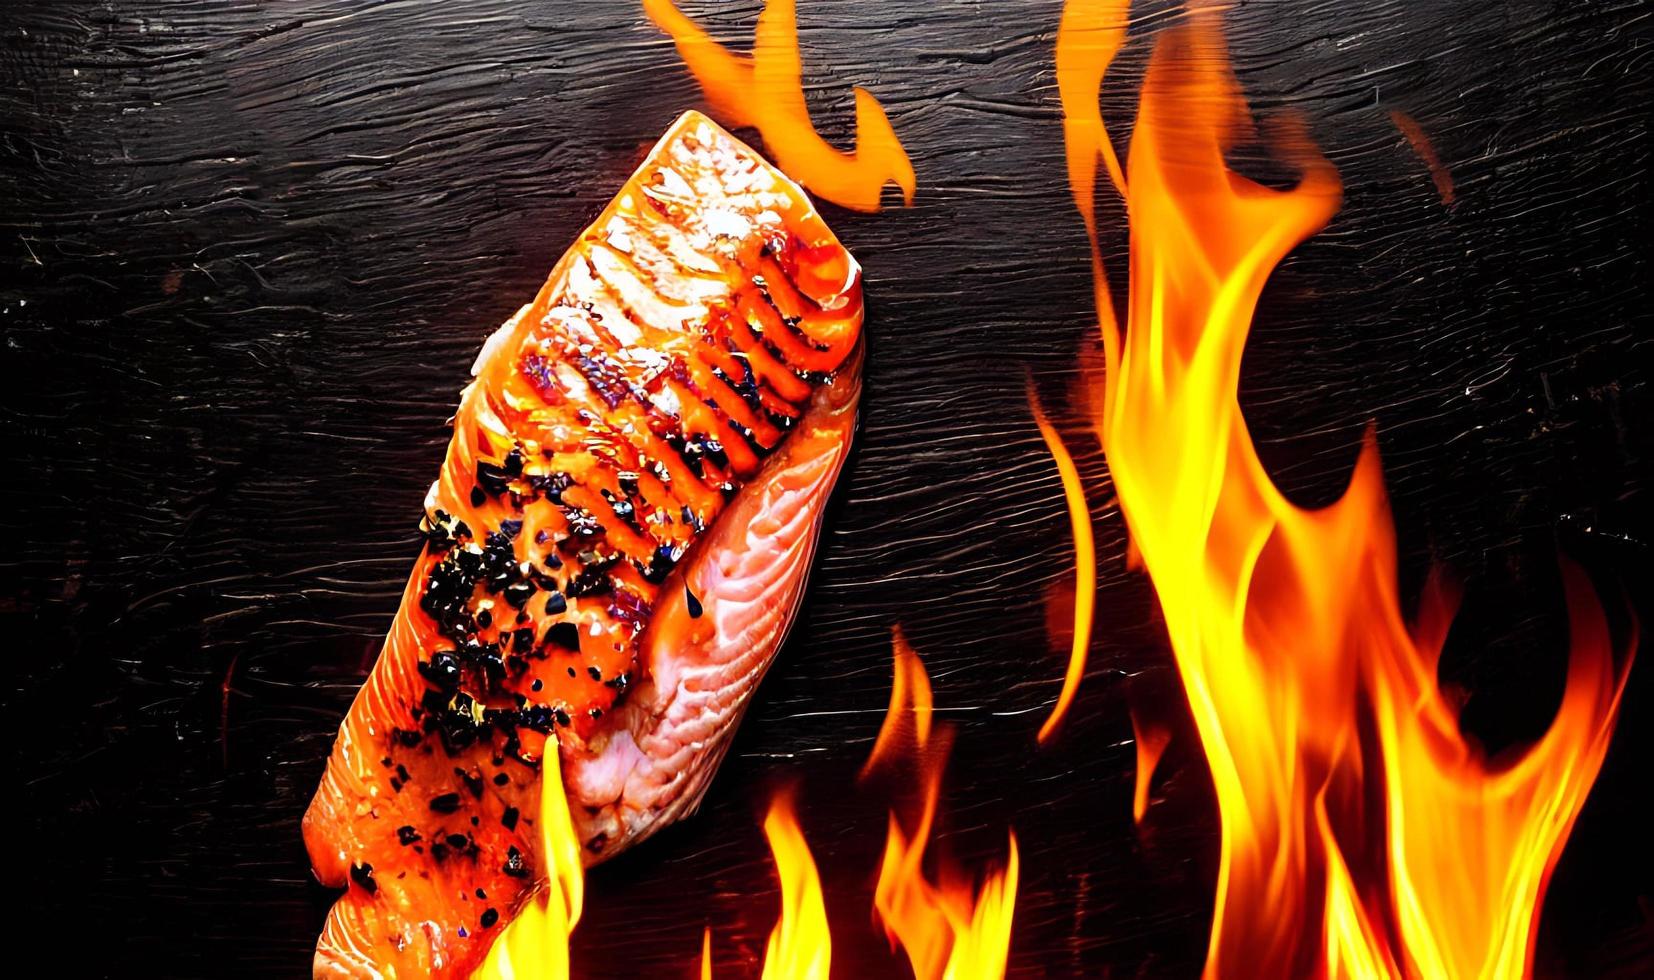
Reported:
(614, 552)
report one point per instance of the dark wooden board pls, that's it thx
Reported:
(249, 251)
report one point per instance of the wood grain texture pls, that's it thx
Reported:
(249, 251)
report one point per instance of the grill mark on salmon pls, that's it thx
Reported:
(615, 548)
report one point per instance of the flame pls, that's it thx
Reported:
(1152, 739)
(764, 90)
(946, 931)
(1310, 692)
(1089, 35)
(800, 946)
(536, 943)
(909, 713)
(1420, 142)
(1085, 564)
(706, 954)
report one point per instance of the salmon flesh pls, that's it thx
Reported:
(614, 551)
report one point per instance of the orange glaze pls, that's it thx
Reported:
(610, 423)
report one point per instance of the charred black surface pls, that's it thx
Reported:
(250, 250)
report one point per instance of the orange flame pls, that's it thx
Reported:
(706, 954)
(1286, 624)
(536, 943)
(800, 946)
(765, 91)
(1089, 35)
(1085, 564)
(1420, 142)
(1152, 739)
(910, 709)
(946, 931)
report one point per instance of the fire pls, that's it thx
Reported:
(1419, 140)
(1152, 739)
(1311, 693)
(1085, 564)
(909, 714)
(536, 943)
(765, 90)
(800, 946)
(946, 931)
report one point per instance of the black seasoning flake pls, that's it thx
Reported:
(481, 894)
(362, 874)
(485, 619)
(565, 635)
(446, 803)
(594, 713)
(518, 593)
(660, 564)
(457, 841)
(514, 866)
(562, 717)
(522, 641)
(556, 605)
(592, 580)
(500, 779)
(442, 670)
(478, 497)
(539, 684)
(552, 487)
(489, 918)
(495, 478)
(508, 819)
(407, 835)
(473, 781)
(695, 609)
(595, 674)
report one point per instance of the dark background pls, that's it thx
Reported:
(248, 251)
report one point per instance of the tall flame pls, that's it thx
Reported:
(535, 946)
(800, 946)
(946, 931)
(1310, 692)
(765, 91)
(1085, 564)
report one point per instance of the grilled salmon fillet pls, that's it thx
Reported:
(614, 552)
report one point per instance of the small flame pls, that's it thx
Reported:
(800, 947)
(946, 931)
(1085, 564)
(706, 954)
(536, 943)
(908, 717)
(1152, 739)
(1310, 692)
(764, 90)
(1420, 142)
